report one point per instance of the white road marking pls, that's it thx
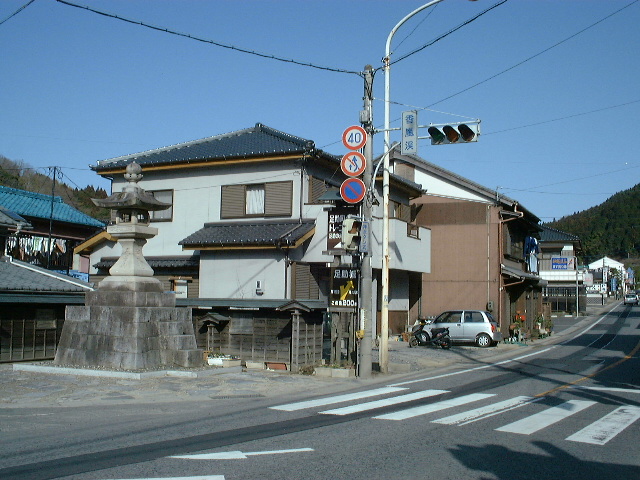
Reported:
(434, 407)
(548, 417)
(600, 432)
(385, 402)
(483, 367)
(237, 454)
(320, 402)
(610, 389)
(485, 412)
(197, 477)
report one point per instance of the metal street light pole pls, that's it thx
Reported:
(384, 315)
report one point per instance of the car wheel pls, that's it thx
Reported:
(483, 340)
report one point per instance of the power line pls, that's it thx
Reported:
(17, 11)
(564, 118)
(532, 56)
(210, 42)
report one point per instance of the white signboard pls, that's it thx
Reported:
(409, 132)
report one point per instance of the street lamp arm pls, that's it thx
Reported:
(399, 24)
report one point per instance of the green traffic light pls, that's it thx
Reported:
(437, 137)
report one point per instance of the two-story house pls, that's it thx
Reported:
(252, 240)
(483, 245)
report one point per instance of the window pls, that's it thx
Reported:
(165, 196)
(274, 199)
(475, 317)
(254, 200)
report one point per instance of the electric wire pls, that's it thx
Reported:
(210, 42)
(17, 11)
(533, 56)
(563, 118)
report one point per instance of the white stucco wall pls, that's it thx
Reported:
(234, 274)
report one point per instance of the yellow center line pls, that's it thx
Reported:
(587, 377)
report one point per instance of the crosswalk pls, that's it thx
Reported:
(538, 417)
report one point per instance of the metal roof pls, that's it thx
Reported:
(38, 205)
(279, 233)
(21, 277)
(256, 141)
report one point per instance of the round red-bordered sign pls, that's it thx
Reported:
(353, 190)
(354, 137)
(353, 164)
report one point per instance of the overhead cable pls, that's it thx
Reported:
(17, 11)
(529, 58)
(211, 42)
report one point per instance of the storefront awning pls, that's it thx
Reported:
(522, 275)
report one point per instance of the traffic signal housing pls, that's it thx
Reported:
(461, 133)
(351, 235)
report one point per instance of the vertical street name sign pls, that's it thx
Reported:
(409, 143)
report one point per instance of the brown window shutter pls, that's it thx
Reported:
(232, 201)
(306, 282)
(278, 198)
(317, 188)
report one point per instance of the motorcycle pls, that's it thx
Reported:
(439, 337)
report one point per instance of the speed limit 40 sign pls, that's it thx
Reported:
(354, 137)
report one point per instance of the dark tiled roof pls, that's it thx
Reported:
(16, 276)
(256, 234)
(157, 262)
(549, 234)
(257, 141)
(38, 205)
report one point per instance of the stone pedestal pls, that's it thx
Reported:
(132, 330)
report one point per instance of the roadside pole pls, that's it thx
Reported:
(366, 298)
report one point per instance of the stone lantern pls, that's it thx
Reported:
(129, 322)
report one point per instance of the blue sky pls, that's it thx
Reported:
(554, 82)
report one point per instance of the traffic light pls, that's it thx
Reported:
(461, 134)
(351, 234)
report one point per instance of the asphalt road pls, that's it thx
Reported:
(566, 407)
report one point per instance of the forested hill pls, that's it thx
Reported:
(611, 228)
(24, 177)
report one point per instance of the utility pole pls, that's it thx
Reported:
(366, 297)
(53, 192)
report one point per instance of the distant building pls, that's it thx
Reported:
(56, 229)
(558, 256)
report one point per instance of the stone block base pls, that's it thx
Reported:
(149, 334)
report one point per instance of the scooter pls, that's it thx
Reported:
(439, 337)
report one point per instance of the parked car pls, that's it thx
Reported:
(631, 299)
(476, 326)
